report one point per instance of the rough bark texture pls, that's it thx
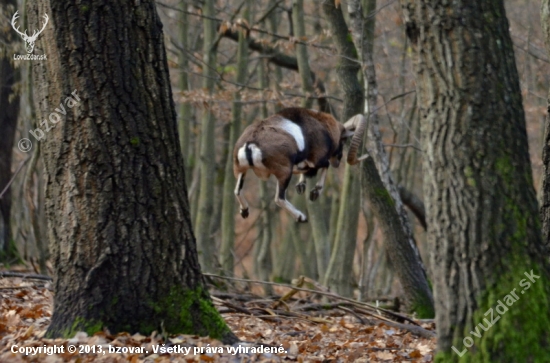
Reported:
(415, 204)
(9, 106)
(400, 245)
(545, 195)
(483, 226)
(185, 109)
(118, 214)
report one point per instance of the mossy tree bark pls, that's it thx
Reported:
(545, 195)
(118, 215)
(483, 225)
(9, 104)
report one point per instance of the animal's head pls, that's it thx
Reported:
(339, 152)
(354, 128)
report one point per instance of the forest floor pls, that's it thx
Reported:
(300, 325)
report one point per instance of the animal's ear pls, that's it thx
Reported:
(347, 134)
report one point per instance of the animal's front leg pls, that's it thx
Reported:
(301, 186)
(316, 191)
(280, 198)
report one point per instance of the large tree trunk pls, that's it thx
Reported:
(9, 106)
(483, 226)
(118, 214)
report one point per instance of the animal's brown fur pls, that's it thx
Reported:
(280, 155)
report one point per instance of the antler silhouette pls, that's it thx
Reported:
(13, 19)
(36, 34)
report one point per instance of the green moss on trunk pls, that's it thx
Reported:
(511, 323)
(512, 319)
(183, 311)
(423, 309)
(80, 324)
(192, 312)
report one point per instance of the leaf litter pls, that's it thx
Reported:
(309, 330)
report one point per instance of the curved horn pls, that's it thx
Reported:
(357, 123)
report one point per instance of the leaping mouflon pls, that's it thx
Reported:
(294, 141)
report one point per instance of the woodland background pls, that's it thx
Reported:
(268, 244)
(237, 62)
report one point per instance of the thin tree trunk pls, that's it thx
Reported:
(273, 23)
(28, 198)
(300, 234)
(298, 23)
(318, 226)
(285, 260)
(483, 226)
(262, 249)
(228, 207)
(339, 271)
(34, 199)
(123, 248)
(9, 106)
(205, 210)
(400, 245)
(366, 257)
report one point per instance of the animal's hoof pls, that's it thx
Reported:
(301, 188)
(301, 219)
(244, 213)
(314, 194)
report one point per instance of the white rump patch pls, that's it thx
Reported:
(256, 156)
(255, 152)
(295, 131)
(241, 155)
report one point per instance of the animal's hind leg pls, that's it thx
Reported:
(280, 197)
(241, 199)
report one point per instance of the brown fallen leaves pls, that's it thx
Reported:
(328, 336)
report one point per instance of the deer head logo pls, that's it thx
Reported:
(29, 40)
